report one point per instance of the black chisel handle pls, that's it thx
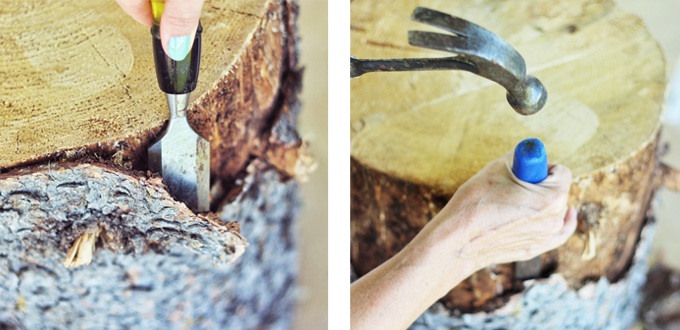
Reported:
(177, 77)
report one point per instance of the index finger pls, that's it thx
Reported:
(558, 175)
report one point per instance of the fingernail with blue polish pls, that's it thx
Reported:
(178, 47)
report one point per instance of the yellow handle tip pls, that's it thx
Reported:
(157, 7)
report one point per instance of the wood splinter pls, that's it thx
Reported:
(81, 251)
(589, 252)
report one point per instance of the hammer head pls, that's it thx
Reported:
(528, 96)
(183, 159)
(488, 55)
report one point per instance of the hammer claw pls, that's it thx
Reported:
(444, 21)
(438, 41)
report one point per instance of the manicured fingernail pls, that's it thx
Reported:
(178, 47)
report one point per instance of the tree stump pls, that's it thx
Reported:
(417, 136)
(80, 105)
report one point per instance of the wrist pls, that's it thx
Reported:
(440, 246)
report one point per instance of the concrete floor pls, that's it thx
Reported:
(313, 29)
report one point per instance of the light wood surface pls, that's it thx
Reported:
(77, 73)
(603, 72)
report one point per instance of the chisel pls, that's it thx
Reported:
(180, 154)
(530, 164)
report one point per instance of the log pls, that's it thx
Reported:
(90, 237)
(417, 136)
(89, 86)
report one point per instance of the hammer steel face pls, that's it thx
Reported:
(183, 157)
(476, 50)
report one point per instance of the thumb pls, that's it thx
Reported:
(178, 26)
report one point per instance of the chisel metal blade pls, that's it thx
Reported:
(183, 157)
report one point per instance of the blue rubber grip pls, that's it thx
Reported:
(531, 162)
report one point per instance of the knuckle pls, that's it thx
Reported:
(562, 175)
(564, 171)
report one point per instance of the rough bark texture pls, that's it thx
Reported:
(164, 281)
(48, 207)
(410, 153)
(240, 112)
(660, 309)
(611, 204)
(157, 265)
(668, 177)
(553, 304)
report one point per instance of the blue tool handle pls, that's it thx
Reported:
(530, 163)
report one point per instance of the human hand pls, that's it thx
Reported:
(178, 23)
(503, 219)
(493, 218)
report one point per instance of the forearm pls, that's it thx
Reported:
(493, 218)
(393, 295)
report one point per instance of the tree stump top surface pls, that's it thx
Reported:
(77, 73)
(604, 73)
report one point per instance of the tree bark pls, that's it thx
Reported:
(416, 137)
(79, 106)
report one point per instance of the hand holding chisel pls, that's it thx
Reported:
(493, 218)
(180, 21)
(180, 155)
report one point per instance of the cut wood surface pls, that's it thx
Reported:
(78, 77)
(417, 136)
